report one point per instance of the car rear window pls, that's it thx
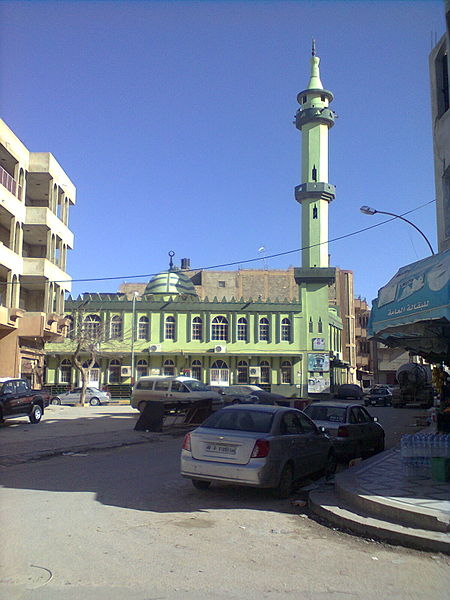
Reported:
(334, 414)
(144, 385)
(240, 420)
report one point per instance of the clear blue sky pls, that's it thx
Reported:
(174, 121)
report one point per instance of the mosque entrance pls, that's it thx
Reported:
(219, 373)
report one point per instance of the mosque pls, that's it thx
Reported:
(293, 347)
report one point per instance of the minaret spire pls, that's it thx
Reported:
(315, 82)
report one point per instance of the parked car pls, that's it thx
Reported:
(250, 394)
(353, 431)
(349, 391)
(94, 396)
(18, 399)
(172, 391)
(379, 396)
(256, 445)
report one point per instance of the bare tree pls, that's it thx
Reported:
(87, 336)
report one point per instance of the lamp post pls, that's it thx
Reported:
(367, 210)
(132, 336)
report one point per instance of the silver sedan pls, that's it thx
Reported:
(256, 445)
(94, 396)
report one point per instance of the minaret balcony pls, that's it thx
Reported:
(325, 116)
(315, 191)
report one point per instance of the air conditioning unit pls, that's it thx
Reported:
(220, 348)
(125, 371)
(254, 371)
(155, 348)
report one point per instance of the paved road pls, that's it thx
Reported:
(121, 523)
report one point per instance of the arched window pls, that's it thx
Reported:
(114, 371)
(169, 367)
(219, 329)
(310, 325)
(91, 326)
(197, 328)
(142, 368)
(286, 330)
(65, 371)
(286, 372)
(265, 372)
(242, 372)
(263, 330)
(319, 325)
(219, 364)
(116, 327)
(169, 328)
(242, 328)
(196, 369)
(69, 327)
(143, 328)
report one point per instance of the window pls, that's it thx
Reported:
(307, 425)
(219, 329)
(319, 326)
(143, 328)
(285, 330)
(265, 372)
(286, 372)
(196, 369)
(114, 371)
(290, 425)
(310, 325)
(177, 386)
(263, 330)
(142, 367)
(65, 371)
(197, 328)
(162, 386)
(242, 329)
(170, 328)
(221, 283)
(242, 372)
(116, 327)
(168, 367)
(91, 326)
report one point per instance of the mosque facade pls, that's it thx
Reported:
(293, 347)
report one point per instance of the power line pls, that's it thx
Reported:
(238, 262)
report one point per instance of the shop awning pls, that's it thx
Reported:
(412, 311)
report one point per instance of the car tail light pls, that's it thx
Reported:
(343, 432)
(187, 442)
(261, 449)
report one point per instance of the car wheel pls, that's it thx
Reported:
(94, 402)
(331, 464)
(56, 401)
(284, 487)
(36, 414)
(200, 484)
(141, 407)
(236, 401)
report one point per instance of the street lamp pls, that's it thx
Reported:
(367, 210)
(132, 336)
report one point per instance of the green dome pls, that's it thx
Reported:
(171, 283)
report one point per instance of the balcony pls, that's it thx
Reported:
(9, 318)
(9, 259)
(40, 215)
(45, 270)
(10, 183)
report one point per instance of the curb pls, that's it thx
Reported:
(329, 506)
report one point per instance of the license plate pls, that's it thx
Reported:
(219, 449)
(373, 403)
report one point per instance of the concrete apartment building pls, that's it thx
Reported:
(440, 114)
(35, 196)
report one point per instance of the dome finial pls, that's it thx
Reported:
(171, 255)
(313, 47)
(315, 82)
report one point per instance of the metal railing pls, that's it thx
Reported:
(10, 183)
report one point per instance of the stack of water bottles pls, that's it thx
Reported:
(417, 450)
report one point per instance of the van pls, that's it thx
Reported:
(172, 391)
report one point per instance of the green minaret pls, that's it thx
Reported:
(314, 119)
